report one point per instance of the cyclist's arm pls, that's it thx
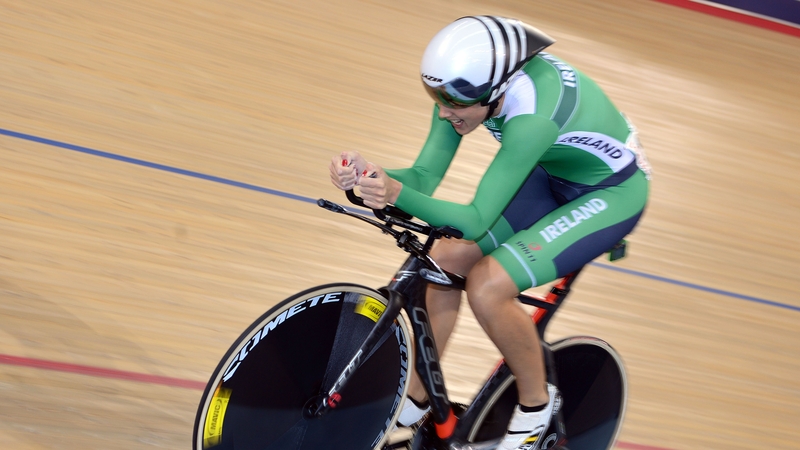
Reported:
(433, 160)
(525, 139)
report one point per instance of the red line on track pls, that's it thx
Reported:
(742, 17)
(631, 446)
(166, 381)
(100, 372)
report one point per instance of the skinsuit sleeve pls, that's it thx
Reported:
(433, 160)
(525, 139)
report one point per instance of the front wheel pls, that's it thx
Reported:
(593, 386)
(257, 396)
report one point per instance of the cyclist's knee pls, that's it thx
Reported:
(488, 285)
(457, 256)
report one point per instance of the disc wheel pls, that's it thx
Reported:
(593, 387)
(258, 395)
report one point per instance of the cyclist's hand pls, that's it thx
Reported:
(346, 169)
(376, 188)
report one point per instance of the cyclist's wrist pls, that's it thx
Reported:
(394, 188)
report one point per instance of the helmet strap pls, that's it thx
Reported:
(492, 108)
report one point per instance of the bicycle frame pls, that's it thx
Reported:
(407, 291)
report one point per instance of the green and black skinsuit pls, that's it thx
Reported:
(568, 182)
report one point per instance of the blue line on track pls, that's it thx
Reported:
(253, 187)
(156, 166)
(696, 286)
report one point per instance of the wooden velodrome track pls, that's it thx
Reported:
(159, 158)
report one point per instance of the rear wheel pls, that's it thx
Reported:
(593, 388)
(293, 353)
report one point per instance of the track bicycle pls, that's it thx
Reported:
(329, 368)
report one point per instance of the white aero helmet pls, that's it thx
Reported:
(471, 60)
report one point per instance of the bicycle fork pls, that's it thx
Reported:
(406, 291)
(330, 400)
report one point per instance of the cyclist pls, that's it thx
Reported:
(568, 182)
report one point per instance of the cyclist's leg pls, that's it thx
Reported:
(492, 292)
(457, 256)
(558, 243)
(492, 296)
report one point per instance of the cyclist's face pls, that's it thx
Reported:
(465, 119)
